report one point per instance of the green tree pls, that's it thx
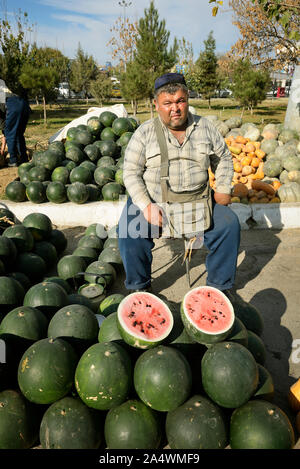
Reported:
(15, 49)
(40, 81)
(203, 75)
(152, 52)
(50, 57)
(101, 89)
(83, 70)
(134, 84)
(250, 85)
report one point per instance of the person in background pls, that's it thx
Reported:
(16, 117)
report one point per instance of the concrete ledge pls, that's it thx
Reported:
(68, 214)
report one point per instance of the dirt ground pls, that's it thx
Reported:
(6, 176)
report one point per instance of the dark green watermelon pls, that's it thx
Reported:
(39, 224)
(108, 148)
(81, 174)
(77, 192)
(46, 370)
(110, 304)
(98, 270)
(19, 421)
(46, 251)
(92, 152)
(61, 174)
(56, 192)
(107, 117)
(48, 160)
(48, 297)
(16, 191)
(103, 175)
(132, 425)
(11, 294)
(74, 153)
(58, 239)
(103, 376)
(87, 253)
(122, 125)
(21, 236)
(259, 424)
(69, 267)
(69, 424)
(108, 134)
(94, 125)
(197, 424)
(112, 191)
(84, 136)
(77, 324)
(24, 322)
(8, 252)
(162, 378)
(32, 265)
(229, 374)
(91, 241)
(108, 331)
(105, 161)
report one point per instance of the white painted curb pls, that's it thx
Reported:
(68, 214)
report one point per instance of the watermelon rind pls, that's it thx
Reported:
(134, 339)
(259, 424)
(200, 334)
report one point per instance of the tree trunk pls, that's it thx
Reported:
(45, 113)
(135, 108)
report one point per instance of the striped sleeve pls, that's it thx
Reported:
(134, 167)
(221, 161)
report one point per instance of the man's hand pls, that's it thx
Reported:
(153, 214)
(222, 199)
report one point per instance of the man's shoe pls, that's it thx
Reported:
(12, 165)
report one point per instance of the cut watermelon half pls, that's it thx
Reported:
(207, 314)
(144, 320)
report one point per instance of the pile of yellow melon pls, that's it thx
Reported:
(248, 163)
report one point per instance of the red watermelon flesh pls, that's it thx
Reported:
(208, 310)
(207, 314)
(144, 319)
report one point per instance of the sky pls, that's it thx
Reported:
(63, 24)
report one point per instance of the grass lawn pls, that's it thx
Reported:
(59, 115)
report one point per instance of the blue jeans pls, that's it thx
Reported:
(222, 240)
(17, 114)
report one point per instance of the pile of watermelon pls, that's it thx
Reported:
(88, 368)
(86, 166)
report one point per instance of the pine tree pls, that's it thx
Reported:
(206, 65)
(249, 85)
(152, 52)
(134, 85)
(40, 81)
(83, 70)
(101, 89)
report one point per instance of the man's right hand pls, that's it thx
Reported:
(153, 214)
